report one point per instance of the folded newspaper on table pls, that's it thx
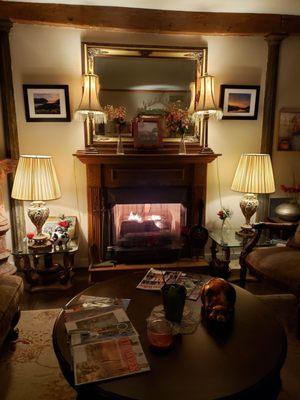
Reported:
(155, 280)
(106, 359)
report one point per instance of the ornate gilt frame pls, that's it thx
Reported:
(92, 50)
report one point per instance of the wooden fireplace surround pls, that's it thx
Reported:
(141, 170)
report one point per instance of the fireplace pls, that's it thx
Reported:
(139, 203)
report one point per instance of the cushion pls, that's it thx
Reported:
(282, 264)
(11, 289)
(295, 240)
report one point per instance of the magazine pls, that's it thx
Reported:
(110, 323)
(106, 359)
(155, 280)
(91, 306)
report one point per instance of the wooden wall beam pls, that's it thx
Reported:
(145, 20)
(10, 129)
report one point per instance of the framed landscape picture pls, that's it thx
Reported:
(239, 101)
(289, 130)
(46, 103)
(147, 133)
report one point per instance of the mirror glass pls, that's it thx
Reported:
(146, 83)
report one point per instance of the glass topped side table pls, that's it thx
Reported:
(223, 240)
(46, 268)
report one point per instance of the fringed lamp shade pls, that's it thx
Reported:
(254, 174)
(35, 179)
(90, 103)
(206, 105)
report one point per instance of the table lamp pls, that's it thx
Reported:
(254, 175)
(90, 108)
(36, 181)
(206, 107)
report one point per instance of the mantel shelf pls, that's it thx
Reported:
(90, 157)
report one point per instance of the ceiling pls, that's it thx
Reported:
(247, 6)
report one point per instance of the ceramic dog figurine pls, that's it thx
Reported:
(218, 300)
(60, 237)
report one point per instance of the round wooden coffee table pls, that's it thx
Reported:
(245, 364)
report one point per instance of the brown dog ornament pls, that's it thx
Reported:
(218, 299)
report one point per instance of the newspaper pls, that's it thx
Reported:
(155, 280)
(116, 357)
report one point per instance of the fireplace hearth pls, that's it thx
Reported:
(139, 204)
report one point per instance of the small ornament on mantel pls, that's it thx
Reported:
(6, 167)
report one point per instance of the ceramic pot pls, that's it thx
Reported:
(288, 211)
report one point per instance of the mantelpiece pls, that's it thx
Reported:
(155, 175)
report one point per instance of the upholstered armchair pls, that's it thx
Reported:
(278, 265)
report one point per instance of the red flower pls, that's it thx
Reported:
(64, 224)
(30, 235)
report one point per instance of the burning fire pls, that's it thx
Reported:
(136, 217)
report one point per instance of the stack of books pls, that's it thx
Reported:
(104, 343)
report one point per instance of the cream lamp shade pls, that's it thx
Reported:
(254, 174)
(35, 179)
(90, 103)
(206, 105)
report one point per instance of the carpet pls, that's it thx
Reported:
(29, 369)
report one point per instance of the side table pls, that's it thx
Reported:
(41, 271)
(224, 241)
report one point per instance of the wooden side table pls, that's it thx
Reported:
(40, 269)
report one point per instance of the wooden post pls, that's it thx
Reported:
(274, 42)
(10, 129)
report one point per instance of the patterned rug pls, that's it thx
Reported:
(29, 369)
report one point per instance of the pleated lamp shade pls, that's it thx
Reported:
(90, 103)
(206, 104)
(254, 174)
(35, 179)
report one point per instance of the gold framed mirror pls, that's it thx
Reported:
(144, 81)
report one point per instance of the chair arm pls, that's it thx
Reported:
(276, 226)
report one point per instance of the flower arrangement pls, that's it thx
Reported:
(224, 213)
(116, 114)
(177, 119)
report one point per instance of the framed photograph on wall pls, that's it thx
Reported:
(46, 103)
(239, 101)
(147, 132)
(289, 130)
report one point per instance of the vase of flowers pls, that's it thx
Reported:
(289, 211)
(177, 122)
(118, 116)
(224, 214)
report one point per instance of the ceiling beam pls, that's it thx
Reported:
(145, 20)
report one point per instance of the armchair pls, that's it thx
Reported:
(278, 265)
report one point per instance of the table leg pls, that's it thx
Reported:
(219, 267)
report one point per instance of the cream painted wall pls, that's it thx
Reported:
(43, 54)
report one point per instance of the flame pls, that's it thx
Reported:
(135, 217)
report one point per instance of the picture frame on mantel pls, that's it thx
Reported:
(239, 101)
(147, 133)
(47, 103)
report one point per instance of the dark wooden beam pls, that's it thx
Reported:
(145, 20)
(274, 43)
(10, 129)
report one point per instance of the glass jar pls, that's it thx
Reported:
(159, 332)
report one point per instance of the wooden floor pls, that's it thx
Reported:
(57, 299)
